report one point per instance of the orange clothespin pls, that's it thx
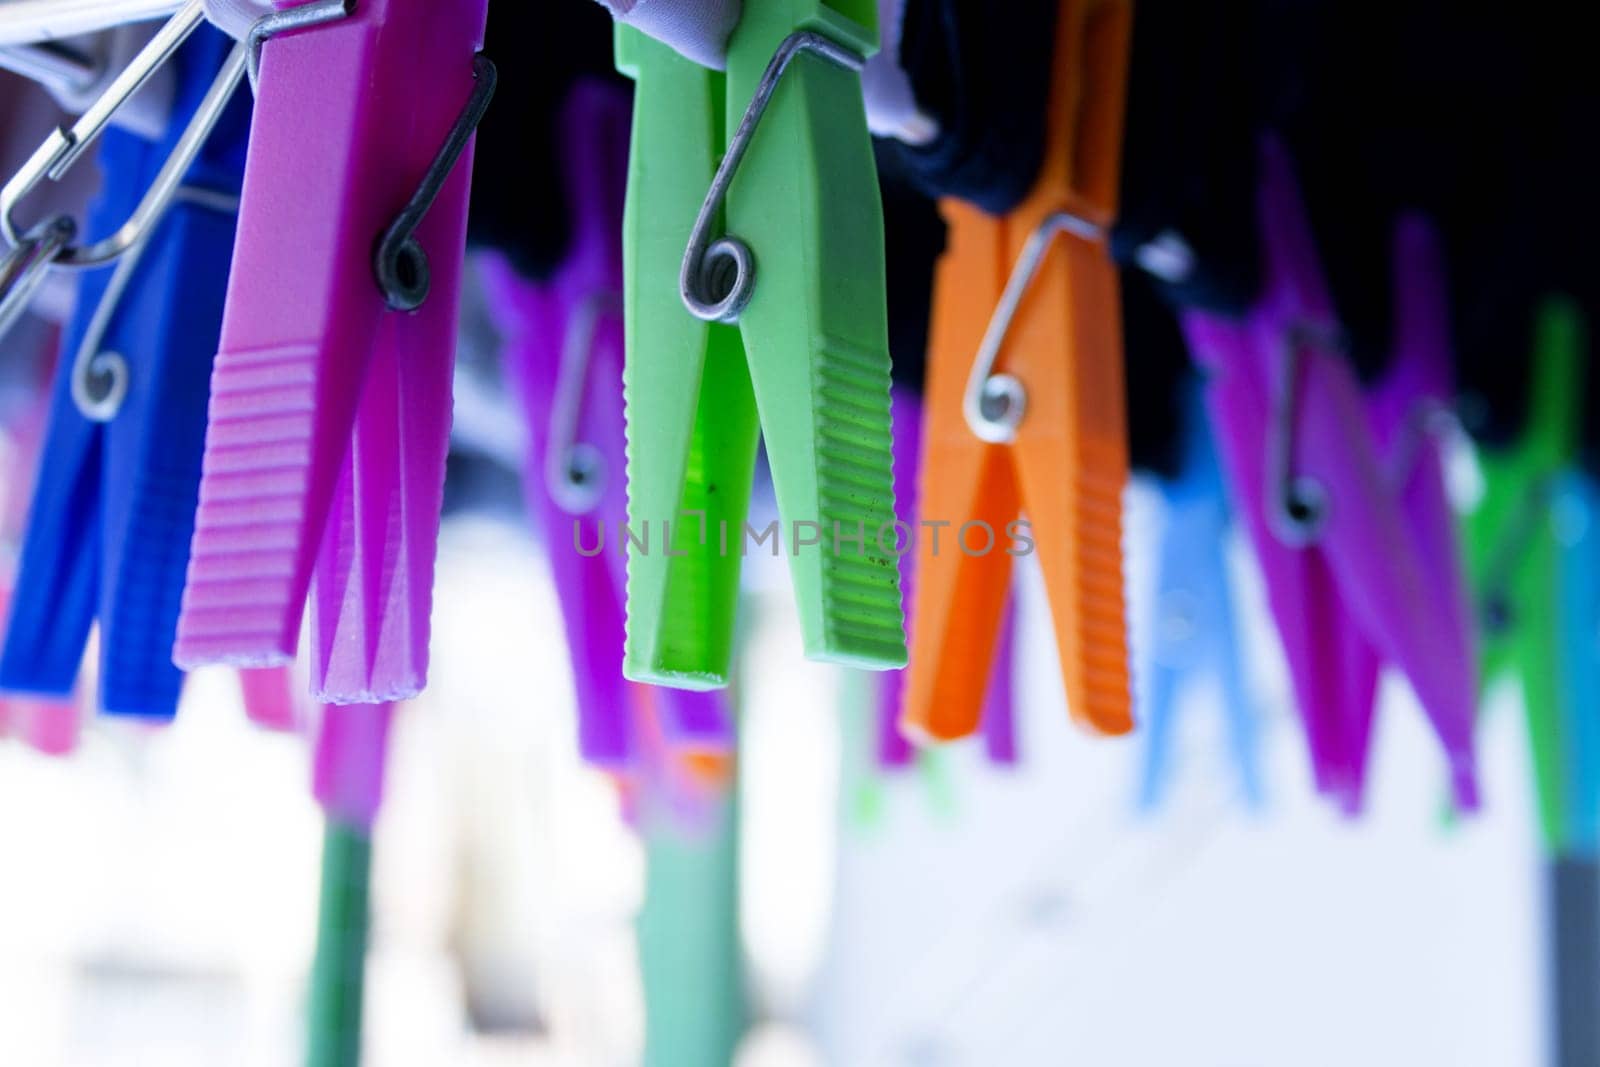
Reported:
(1026, 412)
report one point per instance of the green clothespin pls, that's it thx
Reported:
(755, 303)
(1512, 554)
(690, 954)
(338, 972)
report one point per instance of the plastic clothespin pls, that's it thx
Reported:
(801, 271)
(47, 726)
(564, 355)
(271, 698)
(113, 509)
(999, 712)
(1037, 424)
(1576, 514)
(1342, 494)
(330, 406)
(348, 780)
(1514, 560)
(1193, 622)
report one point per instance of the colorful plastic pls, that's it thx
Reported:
(1512, 556)
(1194, 634)
(338, 970)
(1068, 465)
(566, 333)
(808, 366)
(1577, 522)
(1379, 582)
(893, 749)
(113, 510)
(330, 412)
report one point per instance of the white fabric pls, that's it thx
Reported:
(892, 109)
(147, 112)
(235, 17)
(695, 29)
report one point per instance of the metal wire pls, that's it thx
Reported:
(719, 277)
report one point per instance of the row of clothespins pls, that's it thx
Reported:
(252, 408)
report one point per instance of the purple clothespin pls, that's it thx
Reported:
(564, 348)
(330, 405)
(1343, 502)
(999, 713)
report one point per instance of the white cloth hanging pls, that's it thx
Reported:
(235, 17)
(892, 109)
(695, 29)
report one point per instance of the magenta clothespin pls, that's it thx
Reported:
(999, 714)
(330, 400)
(564, 350)
(271, 698)
(348, 766)
(1354, 560)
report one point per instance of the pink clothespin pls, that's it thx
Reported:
(352, 745)
(330, 408)
(564, 356)
(1342, 494)
(271, 699)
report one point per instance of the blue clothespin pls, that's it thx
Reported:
(1576, 517)
(113, 511)
(1193, 618)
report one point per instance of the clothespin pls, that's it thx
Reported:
(1577, 522)
(330, 404)
(47, 726)
(109, 529)
(1342, 495)
(564, 356)
(271, 699)
(1193, 622)
(1036, 424)
(351, 750)
(893, 749)
(1514, 559)
(800, 271)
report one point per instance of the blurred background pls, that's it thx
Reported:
(822, 894)
(158, 899)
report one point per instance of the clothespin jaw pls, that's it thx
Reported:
(1051, 408)
(113, 510)
(808, 366)
(692, 428)
(565, 356)
(321, 313)
(1512, 557)
(1193, 626)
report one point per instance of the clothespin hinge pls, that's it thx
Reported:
(996, 403)
(399, 261)
(575, 471)
(718, 277)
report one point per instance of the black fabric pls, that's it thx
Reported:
(1189, 159)
(1158, 368)
(518, 201)
(914, 239)
(983, 72)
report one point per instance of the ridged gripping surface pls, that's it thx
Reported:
(855, 495)
(250, 564)
(1099, 684)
